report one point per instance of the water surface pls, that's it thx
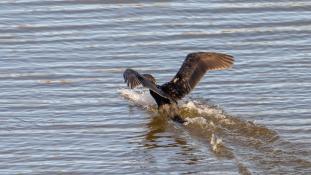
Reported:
(64, 108)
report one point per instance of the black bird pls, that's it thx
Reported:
(192, 70)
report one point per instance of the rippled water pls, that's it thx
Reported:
(64, 108)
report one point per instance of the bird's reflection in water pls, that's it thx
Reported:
(162, 134)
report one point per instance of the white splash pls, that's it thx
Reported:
(216, 143)
(141, 98)
(196, 120)
(204, 109)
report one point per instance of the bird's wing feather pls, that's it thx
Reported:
(133, 79)
(193, 69)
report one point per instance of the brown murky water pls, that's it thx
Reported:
(64, 108)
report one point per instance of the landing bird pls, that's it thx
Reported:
(192, 70)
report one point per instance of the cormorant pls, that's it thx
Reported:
(192, 70)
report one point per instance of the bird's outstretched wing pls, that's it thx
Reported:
(134, 79)
(193, 69)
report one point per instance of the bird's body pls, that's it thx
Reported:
(159, 99)
(192, 70)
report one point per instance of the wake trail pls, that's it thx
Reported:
(230, 136)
